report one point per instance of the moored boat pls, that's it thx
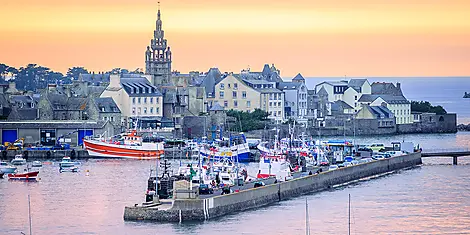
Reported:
(274, 166)
(5, 168)
(128, 145)
(18, 160)
(27, 175)
(36, 164)
(235, 147)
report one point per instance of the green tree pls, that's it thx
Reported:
(247, 121)
(30, 76)
(426, 107)
(74, 72)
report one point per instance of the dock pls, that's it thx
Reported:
(196, 208)
(453, 153)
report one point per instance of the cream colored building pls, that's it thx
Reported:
(233, 93)
(136, 97)
(398, 105)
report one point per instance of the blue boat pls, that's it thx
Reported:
(237, 149)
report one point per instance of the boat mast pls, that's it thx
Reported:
(29, 214)
(307, 224)
(349, 214)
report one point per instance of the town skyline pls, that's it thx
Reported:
(314, 38)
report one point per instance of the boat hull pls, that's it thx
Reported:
(24, 176)
(8, 170)
(101, 149)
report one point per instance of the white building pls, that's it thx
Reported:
(398, 105)
(136, 97)
(295, 93)
(348, 91)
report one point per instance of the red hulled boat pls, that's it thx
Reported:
(30, 175)
(128, 145)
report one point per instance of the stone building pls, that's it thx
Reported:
(54, 105)
(107, 110)
(136, 98)
(158, 56)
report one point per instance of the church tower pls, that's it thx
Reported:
(158, 55)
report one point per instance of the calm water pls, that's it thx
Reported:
(431, 199)
(444, 91)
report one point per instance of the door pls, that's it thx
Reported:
(9, 136)
(82, 134)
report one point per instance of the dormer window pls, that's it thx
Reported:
(137, 90)
(102, 109)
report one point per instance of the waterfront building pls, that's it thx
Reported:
(295, 98)
(107, 110)
(384, 117)
(347, 91)
(57, 105)
(136, 98)
(158, 56)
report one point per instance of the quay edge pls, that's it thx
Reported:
(203, 209)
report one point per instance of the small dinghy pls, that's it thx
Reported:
(37, 164)
(26, 175)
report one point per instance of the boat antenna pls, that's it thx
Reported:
(349, 214)
(307, 224)
(29, 214)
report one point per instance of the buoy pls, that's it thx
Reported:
(87, 172)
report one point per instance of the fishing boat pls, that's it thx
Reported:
(235, 147)
(274, 166)
(18, 160)
(36, 164)
(26, 175)
(68, 165)
(126, 145)
(5, 168)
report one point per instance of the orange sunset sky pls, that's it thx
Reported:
(314, 37)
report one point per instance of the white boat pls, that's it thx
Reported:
(68, 165)
(236, 147)
(5, 168)
(36, 164)
(18, 160)
(274, 166)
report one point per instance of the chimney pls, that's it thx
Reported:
(12, 85)
(51, 87)
(398, 86)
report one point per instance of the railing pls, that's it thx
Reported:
(446, 150)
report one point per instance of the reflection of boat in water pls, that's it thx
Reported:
(5, 168)
(128, 145)
(27, 175)
(37, 164)
(18, 160)
(68, 165)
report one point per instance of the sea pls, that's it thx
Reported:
(433, 198)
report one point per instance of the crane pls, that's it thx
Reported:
(61, 146)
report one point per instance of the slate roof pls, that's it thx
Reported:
(385, 88)
(62, 102)
(288, 85)
(343, 104)
(298, 77)
(23, 114)
(357, 82)
(391, 99)
(380, 111)
(268, 90)
(137, 86)
(212, 77)
(4, 101)
(62, 124)
(335, 83)
(216, 107)
(322, 92)
(106, 105)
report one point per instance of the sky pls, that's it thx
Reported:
(311, 37)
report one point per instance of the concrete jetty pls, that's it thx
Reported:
(199, 209)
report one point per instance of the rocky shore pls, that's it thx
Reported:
(463, 127)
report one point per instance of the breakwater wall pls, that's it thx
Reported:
(44, 154)
(202, 209)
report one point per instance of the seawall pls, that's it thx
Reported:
(202, 209)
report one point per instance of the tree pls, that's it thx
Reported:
(30, 76)
(3, 71)
(74, 72)
(247, 121)
(426, 107)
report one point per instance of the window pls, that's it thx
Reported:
(279, 113)
(133, 110)
(244, 94)
(274, 104)
(105, 118)
(234, 94)
(355, 97)
(225, 103)
(279, 104)
(138, 100)
(112, 119)
(222, 86)
(235, 103)
(145, 100)
(221, 94)
(228, 85)
(145, 110)
(270, 104)
(157, 100)
(133, 100)
(235, 86)
(139, 111)
(248, 104)
(270, 96)
(151, 100)
(157, 110)
(151, 110)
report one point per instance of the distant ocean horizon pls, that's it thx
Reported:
(445, 91)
